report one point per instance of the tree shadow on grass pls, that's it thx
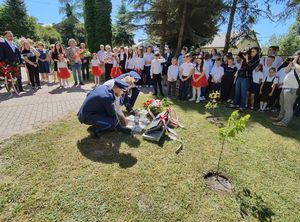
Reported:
(107, 149)
(72, 89)
(4, 95)
(251, 204)
(223, 111)
(292, 131)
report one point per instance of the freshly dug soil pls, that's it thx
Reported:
(218, 183)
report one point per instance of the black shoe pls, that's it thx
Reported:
(92, 133)
(128, 107)
(123, 129)
(76, 83)
(81, 83)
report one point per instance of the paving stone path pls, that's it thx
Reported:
(22, 113)
(19, 114)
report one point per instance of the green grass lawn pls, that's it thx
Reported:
(59, 174)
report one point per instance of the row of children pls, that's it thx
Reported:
(239, 80)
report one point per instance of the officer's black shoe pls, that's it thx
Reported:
(93, 133)
(128, 107)
(123, 129)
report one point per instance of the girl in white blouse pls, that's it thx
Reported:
(130, 61)
(139, 65)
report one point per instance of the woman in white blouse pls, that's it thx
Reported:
(139, 65)
(130, 60)
(288, 94)
(148, 57)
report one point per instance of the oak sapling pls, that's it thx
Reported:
(235, 125)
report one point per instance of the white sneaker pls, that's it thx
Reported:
(192, 99)
(202, 98)
(198, 101)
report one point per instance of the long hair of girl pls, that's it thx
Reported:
(201, 65)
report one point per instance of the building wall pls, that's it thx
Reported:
(247, 42)
(208, 49)
(244, 44)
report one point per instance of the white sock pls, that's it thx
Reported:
(261, 105)
(198, 94)
(265, 106)
(194, 94)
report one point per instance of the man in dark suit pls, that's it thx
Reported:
(10, 53)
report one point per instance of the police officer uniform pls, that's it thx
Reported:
(98, 109)
(129, 98)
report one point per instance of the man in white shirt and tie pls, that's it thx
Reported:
(156, 72)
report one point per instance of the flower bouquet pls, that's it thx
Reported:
(85, 54)
(156, 106)
(9, 72)
(212, 105)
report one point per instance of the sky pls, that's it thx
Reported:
(47, 11)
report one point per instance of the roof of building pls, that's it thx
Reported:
(219, 40)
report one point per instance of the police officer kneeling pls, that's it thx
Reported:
(98, 110)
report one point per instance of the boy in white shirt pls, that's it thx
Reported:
(186, 71)
(217, 73)
(148, 57)
(173, 72)
(156, 72)
(208, 64)
(272, 51)
(267, 65)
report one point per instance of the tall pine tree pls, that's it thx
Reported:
(97, 22)
(14, 18)
(123, 29)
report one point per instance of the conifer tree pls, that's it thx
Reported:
(97, 19)
(14, 18)
(123, 29)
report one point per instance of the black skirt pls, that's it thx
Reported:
(266, 90)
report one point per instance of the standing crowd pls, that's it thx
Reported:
(246, 80)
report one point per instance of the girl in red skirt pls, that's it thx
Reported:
(198, 79)
(63, 71)
(115, 71)
(96, 69)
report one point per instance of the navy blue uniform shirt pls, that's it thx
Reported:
(100, 101)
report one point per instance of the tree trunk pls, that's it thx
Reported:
(230, 24)
(163, 33)
(180, 36)
(221, 154)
